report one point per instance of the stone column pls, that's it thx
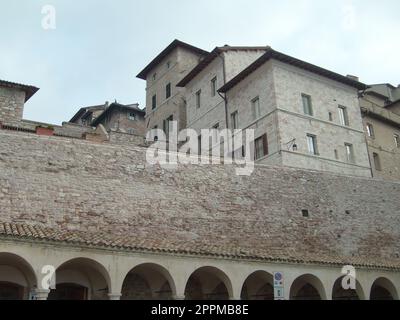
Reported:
(41, 294)
(114, 296)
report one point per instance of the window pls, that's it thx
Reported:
(213, 87)
(307, 105)
(131, 131)
(260, 147)
(198, 99)
(336, 154)
(199, 145)
(131, 116)
(166, 124)
(312, 144)
(255, 106)
(377, 162)
(305, 213)
(344, 119)
(397, 140)
(168, 91)
(330, 116)
(168, 64)
(155, 137)
(349, 152)
(370, 130)
(154, 76)
(235, 120)
(154, 102)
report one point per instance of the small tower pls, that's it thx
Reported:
(12, 99)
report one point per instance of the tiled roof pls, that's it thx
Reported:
(175, 44)
(209, 58)
(273, 54)
(169, 246)
(29, 90)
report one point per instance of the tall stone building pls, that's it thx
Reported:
(112, 226)
(303, 116)
(380, 106)
(164, 101)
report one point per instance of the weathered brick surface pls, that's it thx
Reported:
(11, 104)
(77, 185)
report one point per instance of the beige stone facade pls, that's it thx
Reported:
(98, 213)
(176, 61)
(382, 131)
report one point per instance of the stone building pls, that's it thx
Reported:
(122, 118)
(380, 106)
(85, 116)
(303, 116)
(114, 227)
(164, 101)
(12, 99)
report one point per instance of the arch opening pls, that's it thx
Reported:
(17, 277)
(208, 283)
(383, 289)
(339, 293)
(81, 279)
(148, 282)
(307, 287)
(258, 286)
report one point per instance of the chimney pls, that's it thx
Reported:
(355, 78)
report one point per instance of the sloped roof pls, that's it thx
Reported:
(169, 246)
(83, 110)
(175, 44)
(210, 58)
(116, 106)
(272, 54)
(29, 90)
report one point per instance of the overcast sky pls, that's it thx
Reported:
(98, 46)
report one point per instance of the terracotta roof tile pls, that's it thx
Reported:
(134, 243)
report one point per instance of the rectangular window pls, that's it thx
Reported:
(198, 99)
(154, 102)
(330, 116)
(199, 145)
(312, 144)
(166, 124)
(349, 152)
(370, 130)
(343, 116)
(261, 147)
(213, 87)
(255, 106)
(168, 91)
(235, 120)
(377, 162)
(131, 116)
(307, 104)
(397, 140)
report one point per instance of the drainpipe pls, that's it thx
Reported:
(224, 96)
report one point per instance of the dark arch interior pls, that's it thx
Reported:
(68, 291)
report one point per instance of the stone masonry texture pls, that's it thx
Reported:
(75, 185)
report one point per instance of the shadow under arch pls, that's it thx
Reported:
(208, 283)
(148, 281)
(259, 285)
(307, 287)
(17, 277)
(339, 293)
(383, 289)
(81, 278)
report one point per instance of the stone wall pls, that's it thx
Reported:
(11, 105)
(76, 185)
